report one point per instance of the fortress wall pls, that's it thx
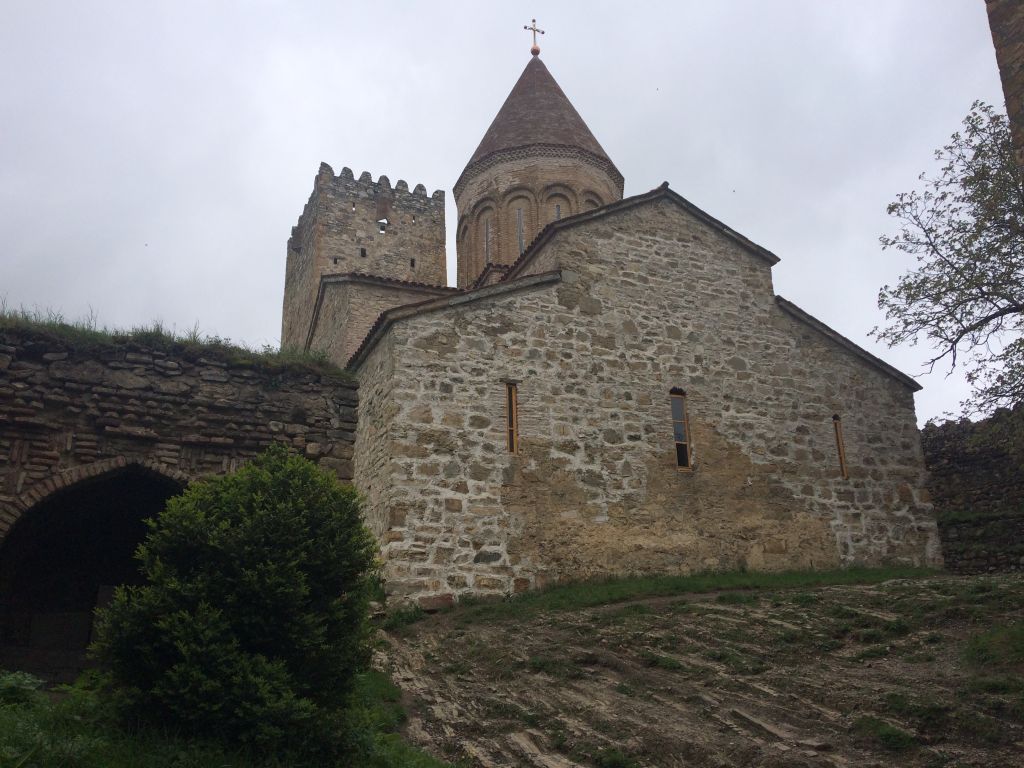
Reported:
(976, 478)
(69, 411)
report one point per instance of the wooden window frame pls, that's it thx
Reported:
(837, 425)
(678, 394)
(512, 417)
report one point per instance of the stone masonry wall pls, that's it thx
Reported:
(649, 299)
(375, 439)
(350, 306)
(67, 414)
(1006, 20)
(976, 478)
(338, 233)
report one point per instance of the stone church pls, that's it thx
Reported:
(612, 387)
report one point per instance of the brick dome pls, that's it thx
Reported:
(537, 162)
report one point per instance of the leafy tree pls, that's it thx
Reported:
(966, 229)
(252, 624)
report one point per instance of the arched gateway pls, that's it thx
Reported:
(65, 554)
(94, 439)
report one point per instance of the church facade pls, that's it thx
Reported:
(613, 387)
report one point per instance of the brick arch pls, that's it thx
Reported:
(69, 478)
(508, 227)
(558, 189)
(591, 200)
(488, 211)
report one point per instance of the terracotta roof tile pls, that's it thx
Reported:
(537, 112)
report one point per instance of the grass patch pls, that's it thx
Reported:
(999, 684)
(613, 758)
(661, 662)
(580, 595)
(1001, 648)
(736, 662)
(88, 337)
(553, 667)
(737, 598)
(78, 730)
(402, 617)
(886, 735)
(929, 717)
(874, 652)
(631, 611)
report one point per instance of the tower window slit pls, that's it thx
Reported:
(558, 211)
(519, 230)
(512, 417)
(362, 253)
(681, 430)
(412, 263)
(837, 425)
(487, 242)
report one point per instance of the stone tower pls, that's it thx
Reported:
(360, 247)
(1006, 20)
(538, 162)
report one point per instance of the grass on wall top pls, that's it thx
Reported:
(88, 336)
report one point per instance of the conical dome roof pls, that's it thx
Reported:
(537, 112)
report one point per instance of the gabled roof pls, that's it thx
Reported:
(367, 279)
(660, 193)
(513, 280)
(490, 269)
(792, 309)
(388, 317)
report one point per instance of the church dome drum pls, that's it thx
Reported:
(538, 162)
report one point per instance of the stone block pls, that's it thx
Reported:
(433, 603)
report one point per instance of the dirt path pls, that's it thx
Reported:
(835, 676)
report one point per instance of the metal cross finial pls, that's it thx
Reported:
(535, 49)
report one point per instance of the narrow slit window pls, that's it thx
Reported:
(520, 234)
(487, 242)
(412, 263)
(837, 424)
(681, 430)
(362, 253)
(558, 212)
(512, 413)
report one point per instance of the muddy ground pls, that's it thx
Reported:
(876, 675)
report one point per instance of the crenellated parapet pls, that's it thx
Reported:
(355, 224)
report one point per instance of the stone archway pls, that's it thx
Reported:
(65, 554)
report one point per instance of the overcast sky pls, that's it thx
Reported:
(155, 155)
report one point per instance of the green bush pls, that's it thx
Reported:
(252, 624)
(18, 688)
